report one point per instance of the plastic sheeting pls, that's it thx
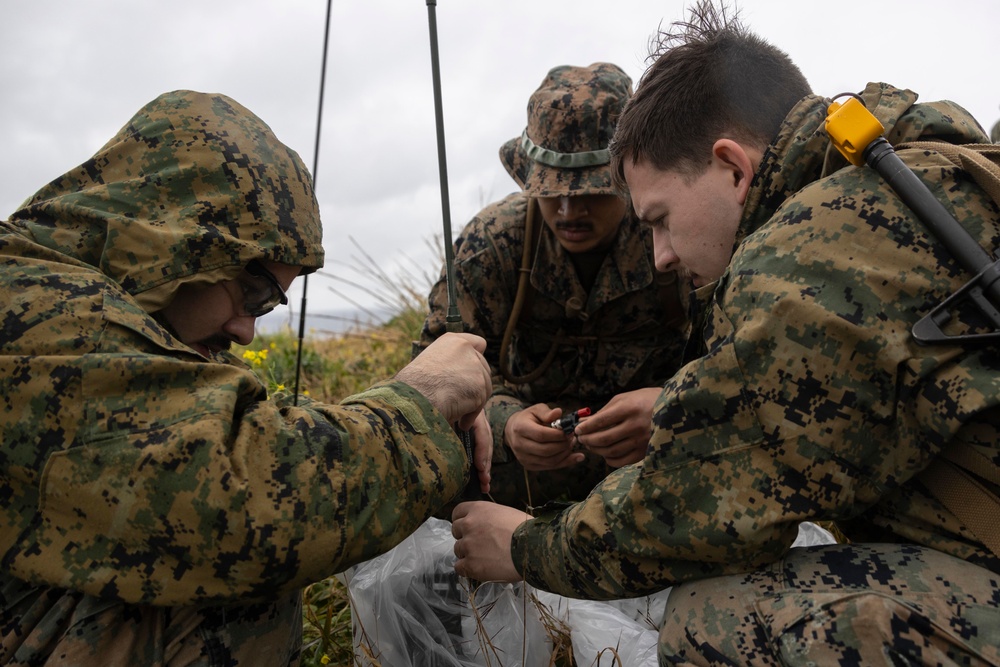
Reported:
(410, 609)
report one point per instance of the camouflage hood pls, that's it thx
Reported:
(191, 189)
(802, 152)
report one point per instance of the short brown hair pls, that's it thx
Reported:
(710, 78)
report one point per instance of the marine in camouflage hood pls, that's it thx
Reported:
(132, 468)
(190, 190)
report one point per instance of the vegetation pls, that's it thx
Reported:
(332, 368)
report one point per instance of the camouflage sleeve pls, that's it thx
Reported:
(811, 403)
(160, 479)
(485, 284)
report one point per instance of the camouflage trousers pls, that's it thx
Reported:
(46, 626)
(839, 605)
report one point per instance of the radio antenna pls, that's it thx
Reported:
(319, 125)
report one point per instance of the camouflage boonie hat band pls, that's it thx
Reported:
(571, 119)
(563, 160)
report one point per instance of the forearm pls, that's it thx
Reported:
(211, 510)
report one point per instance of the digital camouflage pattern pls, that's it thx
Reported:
(812, 402)
(627, 333)
(820, 605)
(133, 471)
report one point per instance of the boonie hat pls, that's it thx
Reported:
(571, 118)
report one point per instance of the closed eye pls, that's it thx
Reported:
(661, 221)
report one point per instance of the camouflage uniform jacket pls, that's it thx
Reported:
(626, 334)
(133, 469)
(812, 402)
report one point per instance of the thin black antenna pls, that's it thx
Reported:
(453, 320)
(319, 125)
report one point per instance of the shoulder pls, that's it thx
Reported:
(504, 215)
(499, 226)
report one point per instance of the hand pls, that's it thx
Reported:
(453, 375)
(482, 439)
(483, 532)
(537, 445)
(619, 431)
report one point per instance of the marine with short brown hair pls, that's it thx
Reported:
(810, 401)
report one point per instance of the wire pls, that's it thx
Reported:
(319, 125)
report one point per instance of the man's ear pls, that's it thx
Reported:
(734, 157)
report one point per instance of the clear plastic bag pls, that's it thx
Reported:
(410, 609)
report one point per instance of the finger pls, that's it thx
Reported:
(478, 342)
(624, 453)
(601, 421)
(545, 434)
(601, 440)
(460, 512)
(466, 421)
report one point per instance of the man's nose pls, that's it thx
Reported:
(664, 256)
(240, 328)
(571, 208)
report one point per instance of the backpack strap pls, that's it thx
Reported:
(981, 161)
(958, 477)
(953, 479)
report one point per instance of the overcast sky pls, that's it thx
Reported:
(73, 72)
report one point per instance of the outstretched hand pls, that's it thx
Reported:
(453, 375)
(619, 431)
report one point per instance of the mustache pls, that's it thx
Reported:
(217, 343)
(575, 224)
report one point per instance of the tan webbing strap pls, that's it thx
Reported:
(966, 456)
(981, 161)
(964, 496)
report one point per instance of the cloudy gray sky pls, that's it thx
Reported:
(73, 72)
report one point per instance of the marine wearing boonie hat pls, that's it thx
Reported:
(563, 151)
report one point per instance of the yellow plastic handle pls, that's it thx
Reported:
(851, 128)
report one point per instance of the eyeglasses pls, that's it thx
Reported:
(261, 291)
